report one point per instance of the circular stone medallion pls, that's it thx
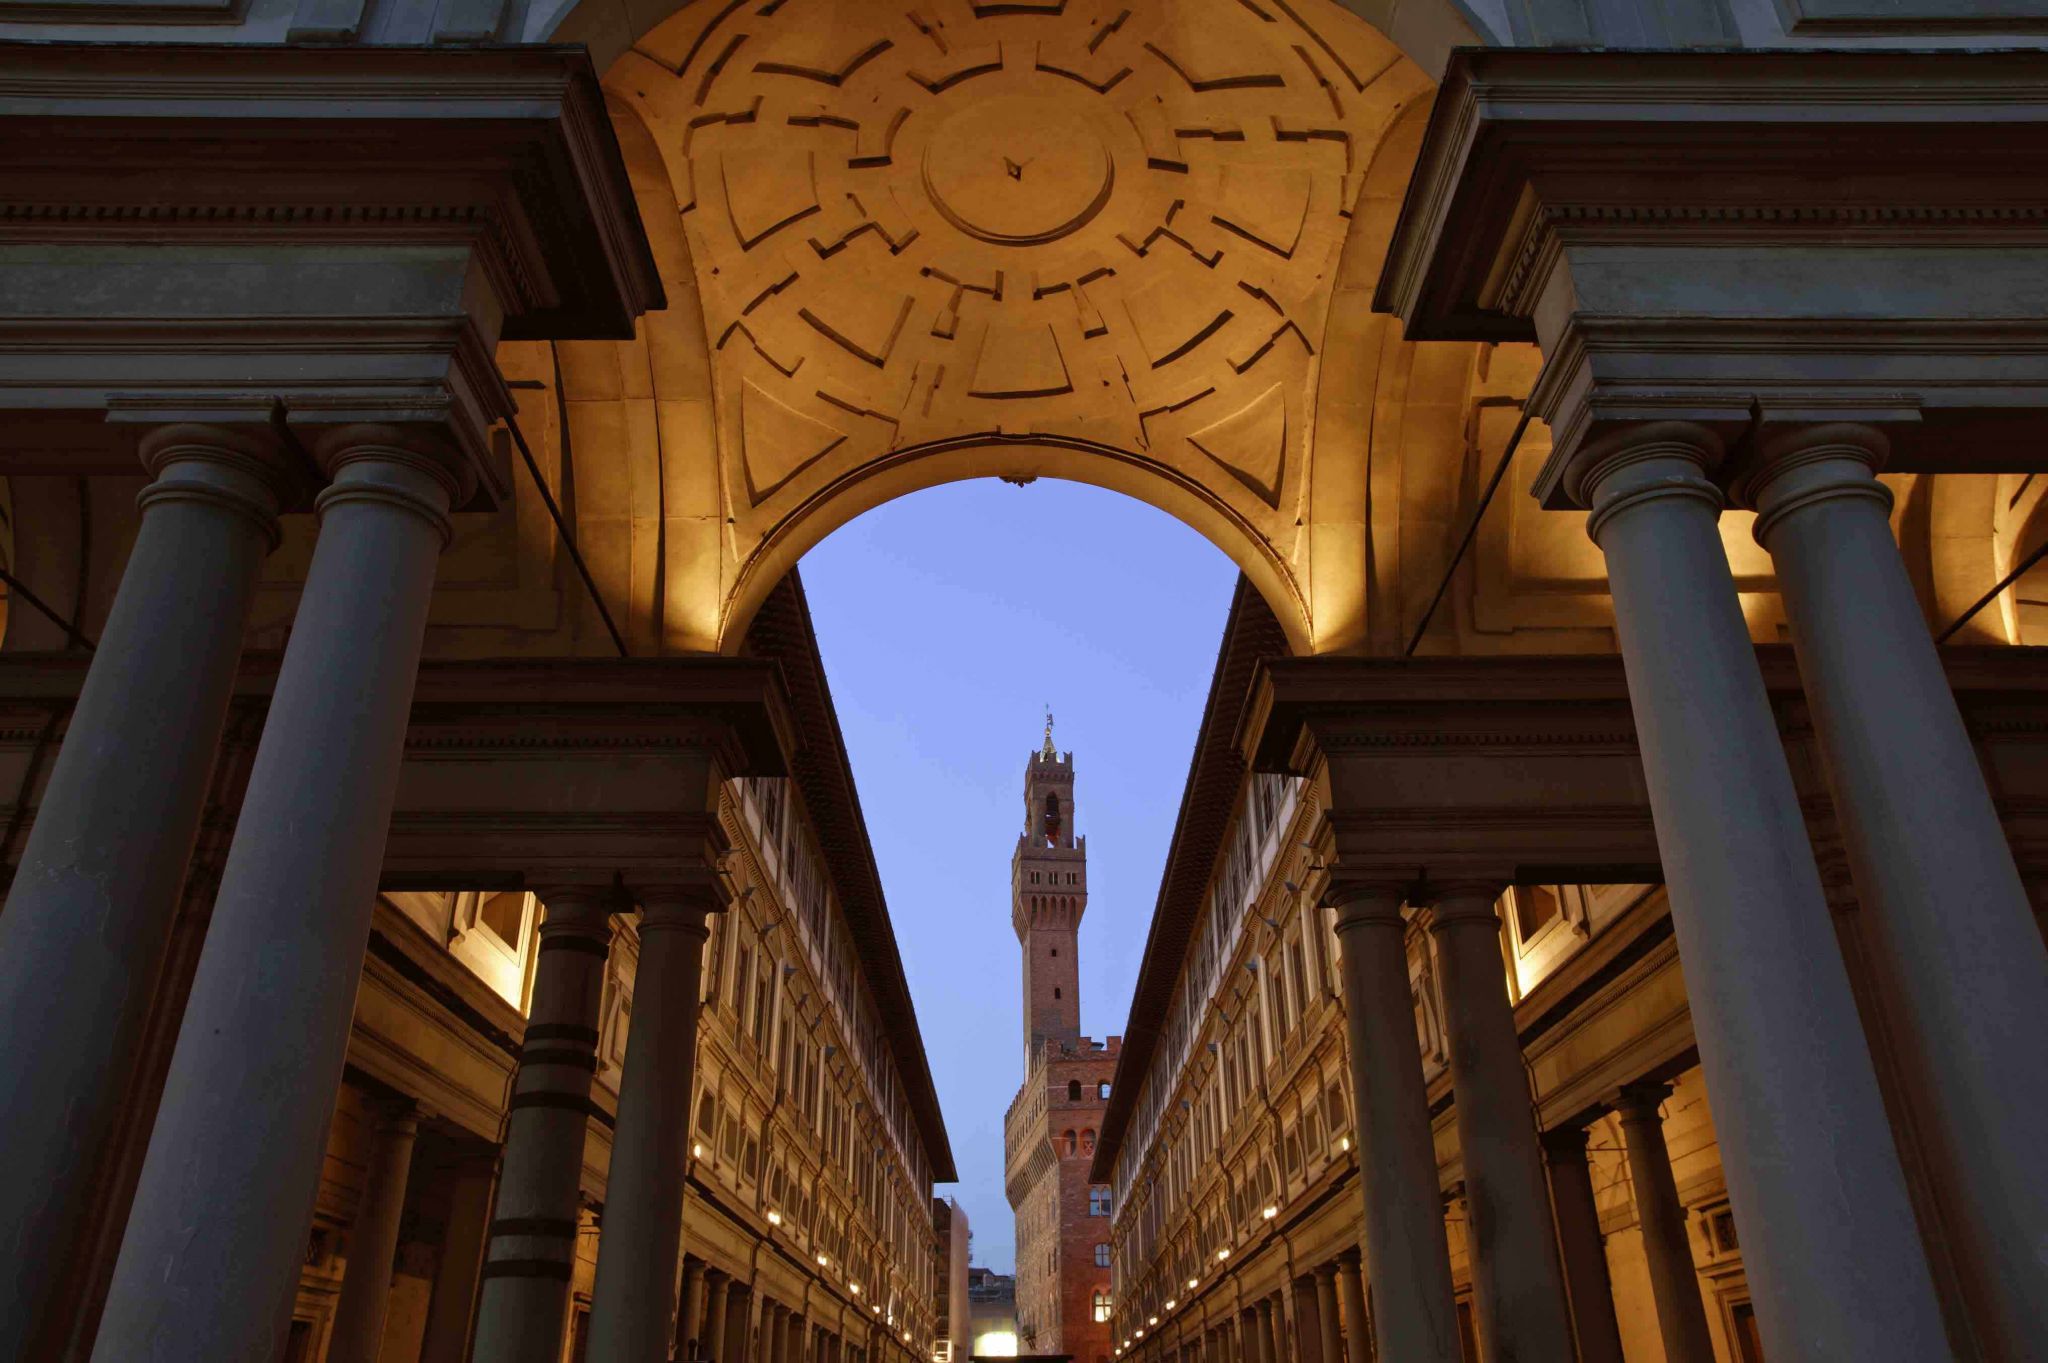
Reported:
(1017, 170)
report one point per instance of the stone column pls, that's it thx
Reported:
(1517, 1282)
(1351, 1289)
(773, 1319)
(737, 1313)
(1582, 1247)
(449, 1310)
(1674, 1283)
(1250, 1338)
(1404, 1223)
(1950, 927)
(690, 1313)
(712, 1342)
(799, 1336)
(524, 1306)
(1329, 1337)
(1273, 1319)
(635, 1294)
(373, 1238)
(106, 855)
(211, 1259)
(1835, 1264)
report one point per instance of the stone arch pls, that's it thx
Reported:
(1140, 304)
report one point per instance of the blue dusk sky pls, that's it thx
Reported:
(948, 620)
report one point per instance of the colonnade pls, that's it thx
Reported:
(1836, 1263)
(1321, 1313)
(216, 1235)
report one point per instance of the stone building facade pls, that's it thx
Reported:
(1050, 1130)
(1629, 419)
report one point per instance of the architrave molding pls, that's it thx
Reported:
(343, 232)
(1720, 236)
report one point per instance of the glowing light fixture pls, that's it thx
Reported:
(1139, 1333)
(1152, 1320)
(774, 1217)
(1193, 1283)
(1222, 1254)
(1270, 1213)
(1171, 1303)
(1344, 1143)
(696, 1150)
(823, 1261)
(856, 1291)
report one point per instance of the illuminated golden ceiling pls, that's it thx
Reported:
(1090, 228)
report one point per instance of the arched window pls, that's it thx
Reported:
(1073, 1090)
(1102, 1089)
(1070, 1142)
(1088, 1142)
(1100, 1303)
(1052, 817)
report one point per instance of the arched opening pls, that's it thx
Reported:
(857, 313)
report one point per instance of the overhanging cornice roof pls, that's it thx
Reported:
(1215, 776)
(782, 631)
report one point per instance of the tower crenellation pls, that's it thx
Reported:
(1048, 896)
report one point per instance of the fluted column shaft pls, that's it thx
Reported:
(1835, 1265)
(210, 1263)
(1950, 928)
(1582, 1247)
(1674, 1283)
(373, 1238)
(634, 1299)
(1404, 1224)
(524, 1306)
(89, 914)
(1517, 1282)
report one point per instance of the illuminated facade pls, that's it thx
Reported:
(1629, 418)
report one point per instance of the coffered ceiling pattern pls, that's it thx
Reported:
(1095, 225)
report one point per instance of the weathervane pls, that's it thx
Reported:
(1048, 731)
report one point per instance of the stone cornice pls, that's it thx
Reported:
(372, 143)
(1525, 145)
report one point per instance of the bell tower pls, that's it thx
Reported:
(1048, 895)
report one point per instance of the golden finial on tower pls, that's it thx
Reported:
(1048, 732)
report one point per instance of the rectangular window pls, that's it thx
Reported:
(1098, 1201)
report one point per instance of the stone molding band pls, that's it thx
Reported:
(561, 1031)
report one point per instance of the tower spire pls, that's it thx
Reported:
(1048, 731)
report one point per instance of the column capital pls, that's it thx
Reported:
(1803, 465)
(1327, 1269)
(412, 467)
(1645, 462)
(1350, 1259)
(1565, 1144)
(1366, 900)
(395, 1115)
(1466, 903)
(1641, 1102)
(244, 468)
